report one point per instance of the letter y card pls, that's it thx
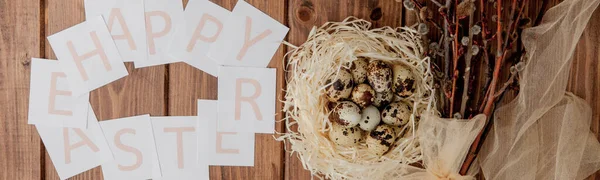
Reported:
(250, 38)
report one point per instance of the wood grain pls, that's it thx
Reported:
(304, 14)
(187, 84)
(141, 92)
(173, 89)
(20, 146)
(585, 72)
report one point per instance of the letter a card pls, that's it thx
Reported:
(246, 99)
(75, 150)
(177, 150)
(202, 26)
(126, 23)
(88, 55)
(131, 140)
(51, 102)
(250, 38)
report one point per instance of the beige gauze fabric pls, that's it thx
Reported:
(545, 132)
(444, 143)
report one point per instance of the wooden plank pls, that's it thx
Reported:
(20, 146)
(141, 92)
(187, 84)
(585, 72)
(304, 14)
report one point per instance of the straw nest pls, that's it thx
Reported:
(328, 49)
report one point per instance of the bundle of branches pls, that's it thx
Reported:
(477, 51)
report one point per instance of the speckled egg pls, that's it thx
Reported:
(396, 114)
(345, 113)
(345, 136)
(363, 95)
(400, 130)
(404, 136)
(359, 70)
(380, 140)
(380, 76)
(370, 118)
(342, 85)
(383, 98)
(403, 81)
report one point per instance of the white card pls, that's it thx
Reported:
(161, 18)
(250, 38)
(88, 55)
(131, 140)
(221, 148)
(202, 26)
(75, 150)
(247, 99)
(50, 98)
(126, 23)
(177, 148)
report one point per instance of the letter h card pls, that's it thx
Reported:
(88, 55)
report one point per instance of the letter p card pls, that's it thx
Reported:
(246, 99)
(88, 55)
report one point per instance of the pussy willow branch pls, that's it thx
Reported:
(455, 61)
(468, 56)
(485, 54)
(490, 104)
(506, 84)
(446, 47)
(490, 97)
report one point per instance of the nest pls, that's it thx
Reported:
(328, 49)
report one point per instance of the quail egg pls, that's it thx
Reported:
(404, 136)
(403, 81)
(363, 95)
(342, 85)
(379, 75)
(344, 136)
(396, 114)
(359, 70)
(383, 98)
(400, 130)
(345, 113)
(370, 118)
(380, 140)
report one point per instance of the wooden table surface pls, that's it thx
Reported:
(172, 90)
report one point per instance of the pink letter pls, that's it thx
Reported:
(251, 99)
(250, 42)
(136, 152)
(99, 51)
(220, 149)
(180, 131)
(150, 34)
(116, 13)
(84, 141)
(197, 33)
(55, 92)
